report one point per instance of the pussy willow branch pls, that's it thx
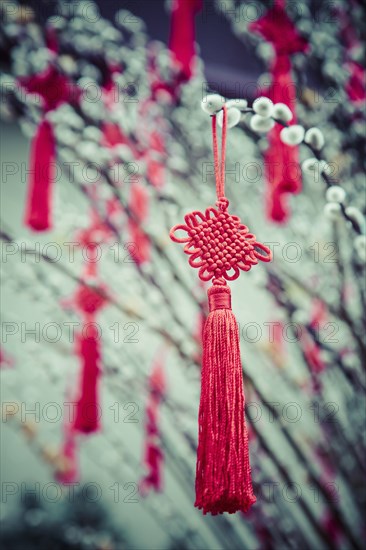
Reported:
(179, 460)
(147, 277)
(38, 449)
(283, 471)
(111, 300)
(306, 463)
(342, 315)
(283, 300)
(350, 375)
(155, 244)
(227, 536)
(295, 446)
(160, 251)
(181, 470)
(112, 386)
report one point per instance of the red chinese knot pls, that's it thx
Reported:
(219, 244)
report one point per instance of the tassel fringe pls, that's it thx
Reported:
(87, 412)
(41, 177)
(223, 477)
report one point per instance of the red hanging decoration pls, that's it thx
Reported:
(54, 89)
(154, 457)
(283, 172)
(356, 88)
(42, 163)
(87, 411)
(220, 246)
(88, 301)
(182, 35)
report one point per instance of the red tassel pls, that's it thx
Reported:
(223, 479)
(182, 35)
(41, 178)
(139, 201)
(220, 245)
(54, 89)
(153, 453)
(283, 173)
(87, 412)
(356, 88)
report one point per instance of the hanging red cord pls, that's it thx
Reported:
(220, 246)
(54, 89)
(282, 168)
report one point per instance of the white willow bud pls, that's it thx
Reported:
(362, 255)
(314, 137)
(311, 166)
(360, 243)
(282, 112)
(260, 124)
(332, 210)
(263, 106)
(293, 135)
(325, 167)
(212, 103)
(240, 104)
(356, 215)
(335, 194)
(233, 117)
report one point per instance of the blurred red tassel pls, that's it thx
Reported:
(138, 204)
(87, 411)
(42, 159)
(54, 89)
(182, 35)
(223, 477)
(356, 87)
(154, 457)
(283, 172)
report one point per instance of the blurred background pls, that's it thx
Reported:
(101, 109)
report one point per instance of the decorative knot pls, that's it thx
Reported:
(89, 300)
(219, 244)
(222, 204)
